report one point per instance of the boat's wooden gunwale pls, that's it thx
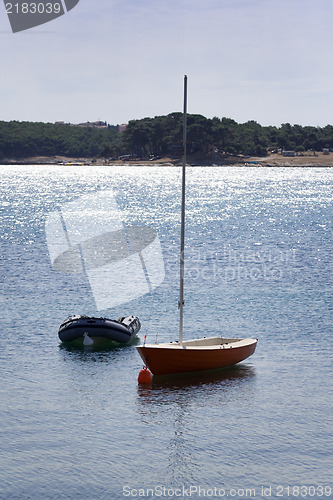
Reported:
(204, 343)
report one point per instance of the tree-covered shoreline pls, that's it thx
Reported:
(160, 136)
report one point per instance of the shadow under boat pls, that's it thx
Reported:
(236, 373)
(101, 345)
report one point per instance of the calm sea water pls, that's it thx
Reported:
(76, 425)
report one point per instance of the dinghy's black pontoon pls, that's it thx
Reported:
(89, 330)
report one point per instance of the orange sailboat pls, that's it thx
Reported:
(208, 353)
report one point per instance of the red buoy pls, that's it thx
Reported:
(145, 377)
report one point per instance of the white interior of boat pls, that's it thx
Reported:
(206, 342)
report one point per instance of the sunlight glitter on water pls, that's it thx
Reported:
(258, 248)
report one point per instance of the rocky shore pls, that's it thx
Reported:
(273, 160)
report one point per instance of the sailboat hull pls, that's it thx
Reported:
(196, 355)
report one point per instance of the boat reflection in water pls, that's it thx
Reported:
(221, 379)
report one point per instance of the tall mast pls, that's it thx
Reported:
(182, 230)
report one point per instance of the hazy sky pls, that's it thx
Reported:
(116, 60)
